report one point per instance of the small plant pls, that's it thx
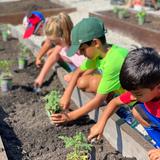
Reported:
(23, 56)
(79, 145)
(5, 66)
(122, 13)
(141, 17)
(116, 10)
(24, 51)
(5, 30)
(52, 102)
(6, 76)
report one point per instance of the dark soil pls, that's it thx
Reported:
(25, 5)
(152, 22)
(25, 128)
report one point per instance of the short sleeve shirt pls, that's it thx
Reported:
(152, 107)
(110, 67)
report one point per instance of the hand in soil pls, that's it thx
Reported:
(60, 118)
(154, 154)
(38, 63)
(64, 102)
(38, 83)
(96, 132)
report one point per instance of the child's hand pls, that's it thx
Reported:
(60, 118)
(64, 102)
(38, 63)
(154, 154)
(38, 82)
(95, 132)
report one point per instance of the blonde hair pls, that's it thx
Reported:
(59, 26)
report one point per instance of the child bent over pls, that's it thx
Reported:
(140, 76)
(88, 36)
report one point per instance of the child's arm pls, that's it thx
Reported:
(65, 99)
(92, 104)
(97, 130)
(53, 58)
(43, 50)
(154, 154)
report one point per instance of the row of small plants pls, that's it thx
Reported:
(6, 68)
(79, 148)
(78, 144)
(123, 13)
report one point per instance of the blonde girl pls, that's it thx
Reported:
(57, 30)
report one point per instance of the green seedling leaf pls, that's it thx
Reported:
(79, 145)
(141, 14)
(24, 51)
(52, 102)
(5, 66)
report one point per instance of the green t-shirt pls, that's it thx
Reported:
(110, 67)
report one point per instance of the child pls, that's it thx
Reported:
(154, 154)
(57, 30)
(89, 37)
(34, 22)
(140, 75)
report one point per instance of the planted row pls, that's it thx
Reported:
(122, 13)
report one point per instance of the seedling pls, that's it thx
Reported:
(5, 66)
(6, 76)
(122, 13)
(5, 30)
(23, 56)
(24, 51)
(79, 145)
(116, 10)
(52, 102)
(141, 17)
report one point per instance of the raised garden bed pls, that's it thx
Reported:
(13, 12)
(147, 34)
(25, 127)
(121, 136)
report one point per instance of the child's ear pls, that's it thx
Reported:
(97, 43)
(158, 86)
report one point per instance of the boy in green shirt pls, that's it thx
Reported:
(88, 36)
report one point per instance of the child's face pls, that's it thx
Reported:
(91, 52)
(146, 95)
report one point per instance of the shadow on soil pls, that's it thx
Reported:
(9, 138)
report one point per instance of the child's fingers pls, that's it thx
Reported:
(91, 136)
(58, 122)
(99, 136)
(54, 116)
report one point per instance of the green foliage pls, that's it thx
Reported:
(79, 145)
(141, 14)
(52, 102)
(24, 51)
(123, 13)
(116, 10)
(5, 66)
(5, 30)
